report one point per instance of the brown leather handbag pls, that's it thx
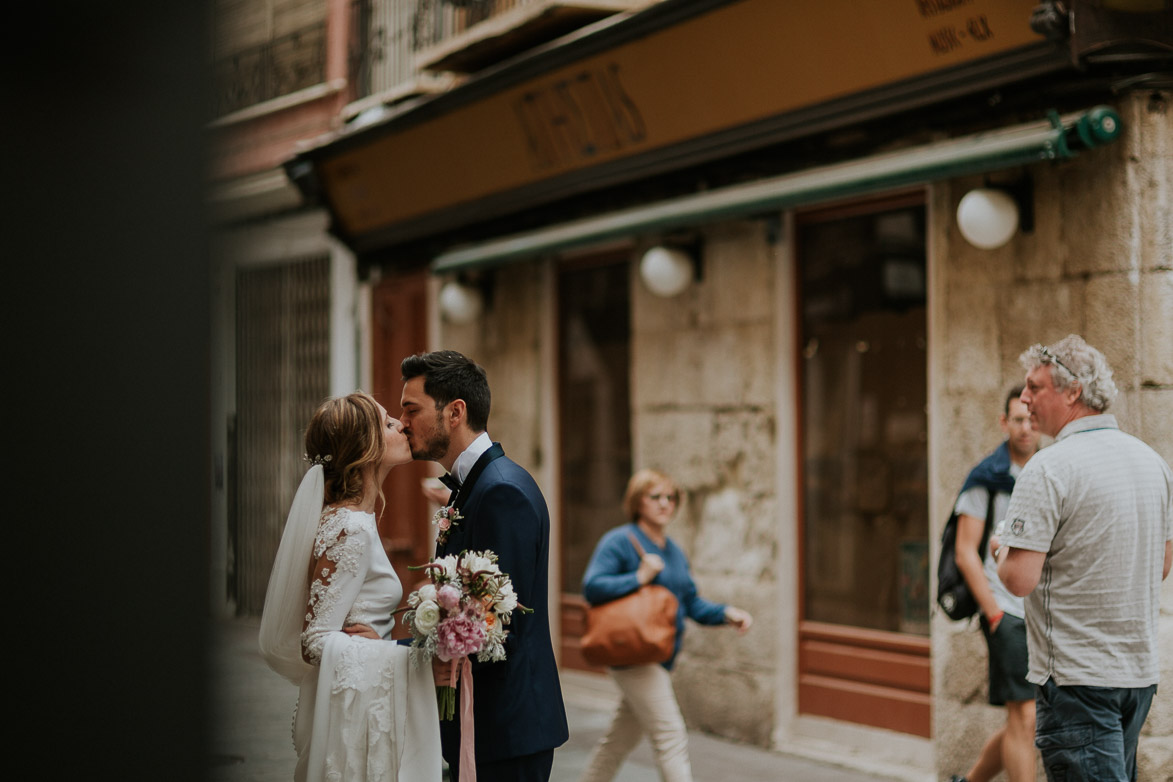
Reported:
(635, 629)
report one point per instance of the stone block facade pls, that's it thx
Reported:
(1099, 263)
(507, 341)
(704, 412)
(704, 391)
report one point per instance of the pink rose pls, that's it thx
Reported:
(445, 524)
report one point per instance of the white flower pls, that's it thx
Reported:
(449, 564)
(475, 562)
(427, 616)
(506, 598)
(427, 592)
(443, 569)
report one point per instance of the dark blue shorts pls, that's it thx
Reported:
(1008, 661)
(1089, 734)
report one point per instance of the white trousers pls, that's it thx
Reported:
(648, 707)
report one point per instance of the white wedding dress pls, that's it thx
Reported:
(365, 710)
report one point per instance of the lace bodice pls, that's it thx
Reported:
(351, 581)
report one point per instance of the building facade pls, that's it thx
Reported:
(721, 238)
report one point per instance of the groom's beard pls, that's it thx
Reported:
(433, 449)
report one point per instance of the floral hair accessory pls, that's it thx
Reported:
(445, 519)
(318, 459)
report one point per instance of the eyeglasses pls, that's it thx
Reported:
(1046, 351)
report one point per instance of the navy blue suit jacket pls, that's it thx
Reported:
(517, 703)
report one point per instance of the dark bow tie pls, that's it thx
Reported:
(450, 481)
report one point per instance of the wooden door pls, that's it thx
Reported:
(594, 422)
(399, 329)
(863, 638)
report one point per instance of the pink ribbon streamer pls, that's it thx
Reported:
(468, 763)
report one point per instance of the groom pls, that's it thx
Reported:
(519, 717)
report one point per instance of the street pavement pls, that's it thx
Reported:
(252, 711)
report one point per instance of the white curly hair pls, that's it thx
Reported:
(1074, 361)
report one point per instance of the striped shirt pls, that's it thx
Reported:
(1099, 503)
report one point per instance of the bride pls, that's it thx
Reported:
(364, 712)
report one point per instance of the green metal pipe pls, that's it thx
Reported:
(1053, 139)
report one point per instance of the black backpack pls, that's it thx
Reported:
(953, 593)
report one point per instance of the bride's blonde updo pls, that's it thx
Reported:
(345, 436)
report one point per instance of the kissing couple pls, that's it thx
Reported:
(364, 711)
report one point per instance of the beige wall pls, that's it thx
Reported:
(1100, 264)
(703, 411)
(702, 407)
(507, 342)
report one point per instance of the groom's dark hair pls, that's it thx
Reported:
(450, 375)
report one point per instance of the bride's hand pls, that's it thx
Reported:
(362, 631)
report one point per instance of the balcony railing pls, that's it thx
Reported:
(397, 46)
(439, 20)
(380, 45)
(466, 35)
(279, 67)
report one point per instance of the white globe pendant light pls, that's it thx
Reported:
(460, 304)
(987, 217)
(666, 271)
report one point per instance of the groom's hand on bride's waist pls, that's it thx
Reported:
(362, 631)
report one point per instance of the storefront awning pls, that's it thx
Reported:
(680, 84)
(1053, 139)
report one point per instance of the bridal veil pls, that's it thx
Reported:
(287, 597)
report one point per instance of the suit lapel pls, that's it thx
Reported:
(495, 452)
(461, 496)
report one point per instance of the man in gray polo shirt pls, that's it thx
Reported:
(1088, 538)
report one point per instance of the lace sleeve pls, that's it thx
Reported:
(339, 566)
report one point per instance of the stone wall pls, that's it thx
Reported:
(703, 402)
(1099, 263)
(704, 412)
(702, 407)
(507, 342)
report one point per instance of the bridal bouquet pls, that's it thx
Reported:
(463, 611)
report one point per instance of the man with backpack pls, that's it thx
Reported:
(1011, 747)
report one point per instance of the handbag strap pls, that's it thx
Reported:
(635, 542)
